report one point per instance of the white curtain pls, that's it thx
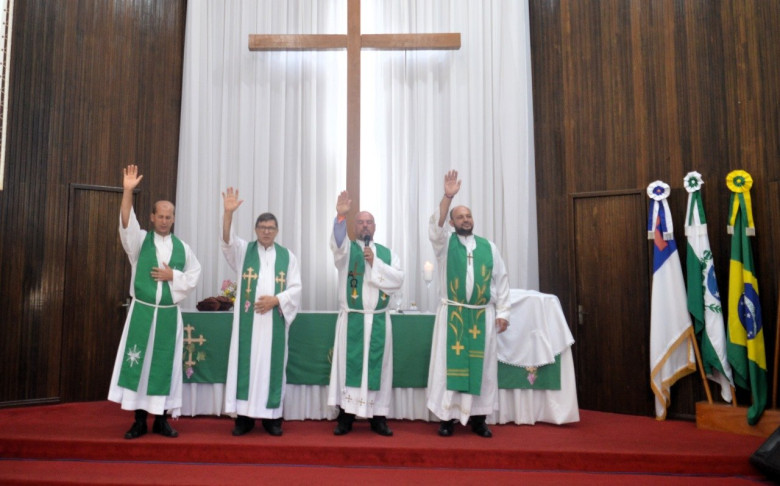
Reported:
(273, 124)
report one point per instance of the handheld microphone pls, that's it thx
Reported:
(366, 240)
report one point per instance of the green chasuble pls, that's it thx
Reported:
(246, 322)
(466, 326)
(355, 321)
(141, 319)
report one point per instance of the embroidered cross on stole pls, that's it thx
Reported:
(465, 326)
(246, 322)
(164, 347)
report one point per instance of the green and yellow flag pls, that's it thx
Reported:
(745, 332)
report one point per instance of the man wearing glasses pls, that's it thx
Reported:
(267, 300)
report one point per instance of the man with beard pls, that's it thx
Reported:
(361, 376)
(463, 373)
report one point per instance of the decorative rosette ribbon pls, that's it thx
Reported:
(693, 182)
(740, 182)
(695, 221)
(658, 192)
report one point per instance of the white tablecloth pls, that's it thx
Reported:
(537, 334)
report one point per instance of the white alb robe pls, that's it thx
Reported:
(182, 284)
(260, 361)
(448, 404)
(389, 279)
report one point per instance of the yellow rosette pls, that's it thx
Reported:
(740, 182)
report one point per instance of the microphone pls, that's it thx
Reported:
(366, 240)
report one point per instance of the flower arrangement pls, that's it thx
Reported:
(228, 290)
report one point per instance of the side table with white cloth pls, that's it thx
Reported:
(537, 335)
(536, 371)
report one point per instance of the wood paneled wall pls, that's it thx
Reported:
(95, 86)
(630, 91)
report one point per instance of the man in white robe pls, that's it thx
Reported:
(463, 372)
(147, 376)
(267, 300)
(361, 377)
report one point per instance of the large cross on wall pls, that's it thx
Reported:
(354, 42)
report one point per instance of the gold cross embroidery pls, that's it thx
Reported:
(249, 275)
(469, 257)
(458, 348)
(280, 280)
(190, 342)
(474, 331)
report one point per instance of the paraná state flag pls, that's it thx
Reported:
(671, 332)
(703, 295)
(745, 331)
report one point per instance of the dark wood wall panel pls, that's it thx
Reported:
(630, 91)
(95, 85)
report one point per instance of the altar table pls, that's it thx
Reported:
(536, 371)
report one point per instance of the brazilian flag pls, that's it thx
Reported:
(745, 345)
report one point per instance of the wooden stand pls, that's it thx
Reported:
(728, 418)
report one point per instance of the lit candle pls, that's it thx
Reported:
(428, 271)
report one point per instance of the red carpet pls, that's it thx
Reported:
(83, 443)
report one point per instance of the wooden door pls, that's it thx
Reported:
(97, 279)
(612, 328)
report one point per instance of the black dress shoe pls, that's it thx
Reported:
(273, 426)
(243, 425)
(446, 428)
(342, 429)
(344, 425)
(162, 427)
(479, 426)
(379, 425)
(137, 430)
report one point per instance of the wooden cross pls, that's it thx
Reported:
(353, 41)
(280, 280)
(249, 275)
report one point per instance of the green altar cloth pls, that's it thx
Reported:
(310, 351)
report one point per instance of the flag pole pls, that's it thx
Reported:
(701, 366)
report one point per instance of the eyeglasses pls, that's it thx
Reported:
(266, 229)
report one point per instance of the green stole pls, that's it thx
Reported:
(246, 318)
(355, 322)
(465, 326)
(141, 319)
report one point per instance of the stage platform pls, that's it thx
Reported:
(46, 443)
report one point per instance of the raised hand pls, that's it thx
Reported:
(343, 203)
(131, 178)
(451, 183)
(230, 199)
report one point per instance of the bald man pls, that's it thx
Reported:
(147, 375)
(361, 376)
(474, 308)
